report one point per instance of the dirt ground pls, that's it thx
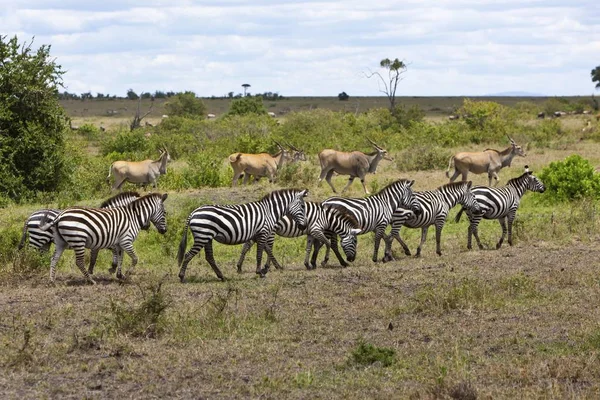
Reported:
(518, 322)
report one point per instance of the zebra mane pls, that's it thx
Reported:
(279, 192)
(397, 182)
(514, 180)
(344, 213)
(454, 184)
(118, 197)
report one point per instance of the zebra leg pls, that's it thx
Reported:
(387, 253)
(423, 238)
(196, 247)
(93, 258)
(350, 180)
(245, 249)
(117, 255)
(379, 233)
(208, 254)
(128, 247)
(323, 240)
(395, 234)
(80, 262)
(511, 218)
(309, 245)
(502, 222)
(58, 250)
(336, 251)
(313, 260)
(438, 237)
(475, 231)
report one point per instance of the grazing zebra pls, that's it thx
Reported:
(237, 224)
(435, 204)
(42, 240)
(374, 213)
(321, 224)
(79, 228)
(501, 204)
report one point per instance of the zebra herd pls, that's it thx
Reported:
(116, 224)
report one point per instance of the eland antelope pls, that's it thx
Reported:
(489, 161)
(356, 164)
(143, 172)
(258, 165)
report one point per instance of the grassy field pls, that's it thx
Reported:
(521, 322)
(109, 113)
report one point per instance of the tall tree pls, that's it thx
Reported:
(596, 76)
(395, 69)
(245, 86)
(32, 122)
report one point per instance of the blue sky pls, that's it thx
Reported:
(315, 48)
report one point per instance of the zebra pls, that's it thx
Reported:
(374, 213)
(501, 204)
(322, 222)
(237, 224)
(435, 204)
(41, 240)
(79, 228)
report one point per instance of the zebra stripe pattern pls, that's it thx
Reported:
(42, 240)
(237, 224)
(374, 213)
(436, 205)
(501, 204)
(79, 228)
(321, 224)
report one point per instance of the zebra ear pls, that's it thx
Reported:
(469, 184)
(305, 193)
(164, 197)
(411, 183)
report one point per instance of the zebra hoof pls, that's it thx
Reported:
(439, 253)
(498, 246)
(110, 271)
(344, 264)
(407, 252)
(222, 278)
(182, 278)
(92, 282)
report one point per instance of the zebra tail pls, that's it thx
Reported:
(457, 218)
(23, 236)
(183, 244)
(450, 162)
(47, 225)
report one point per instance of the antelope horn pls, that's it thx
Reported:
(278, 144)
(374, 144)
(292, 146)
(509, 138)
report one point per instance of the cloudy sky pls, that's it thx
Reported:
(320, 48)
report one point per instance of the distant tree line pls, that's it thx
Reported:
(159, 94)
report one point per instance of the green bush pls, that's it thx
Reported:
(297, 174)
(186, 105)
(247, 105)
(422, 158)
(571, 179)
(125, 142)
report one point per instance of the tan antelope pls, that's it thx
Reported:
(489, 161)
(258, 165)
(143, 172)
(355, 163)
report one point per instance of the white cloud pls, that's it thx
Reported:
(454, 47)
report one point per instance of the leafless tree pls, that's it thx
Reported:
(395, 69)
(137, 120)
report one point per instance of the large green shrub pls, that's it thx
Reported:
(247, 105)
(32, 122)
(571, 179)
(186, 105)
(125, 142)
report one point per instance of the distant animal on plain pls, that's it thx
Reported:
(489, 161)
(541, 115)
(356, 164)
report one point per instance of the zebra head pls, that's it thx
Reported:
(155, 206)
(296, 208)
(407, 197)
(349, 243)
(533, 183)
(468, 200)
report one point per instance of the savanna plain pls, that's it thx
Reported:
(519, 322)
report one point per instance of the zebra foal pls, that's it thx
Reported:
(436, 205)
(322, 223)
(237, 224)
(374, 213)
(501, 204)
(79, 228)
